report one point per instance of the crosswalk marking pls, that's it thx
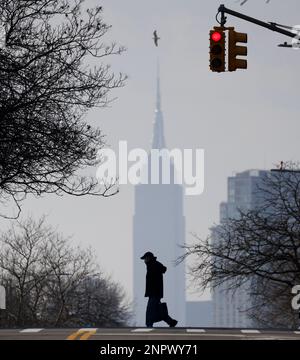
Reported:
(142, 330)
(30, 330)
(250, 331)
(297, 332)
(195, 330)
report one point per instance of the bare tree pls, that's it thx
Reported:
(271, 305)
(51, 283)
(260, 246)
(52, 71)
(101, 301)
(69, 267)
(20, 266)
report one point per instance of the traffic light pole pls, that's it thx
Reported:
(271, 26)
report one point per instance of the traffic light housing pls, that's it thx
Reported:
(217, 49)
(235, 50)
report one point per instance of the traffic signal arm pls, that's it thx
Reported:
(271, 26)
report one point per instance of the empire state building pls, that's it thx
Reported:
(159, 227)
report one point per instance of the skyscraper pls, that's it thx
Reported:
(159, 227)
(229, 307)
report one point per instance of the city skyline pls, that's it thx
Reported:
(201, 110)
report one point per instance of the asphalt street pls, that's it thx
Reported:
(147, 334)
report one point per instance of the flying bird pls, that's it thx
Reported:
(156, 38)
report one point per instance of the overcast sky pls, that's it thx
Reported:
(243, 120)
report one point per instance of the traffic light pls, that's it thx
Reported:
(217, 49)
(235, 50)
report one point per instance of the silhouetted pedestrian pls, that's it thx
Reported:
(156, 311)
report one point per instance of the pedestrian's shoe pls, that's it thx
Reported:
(173, 323)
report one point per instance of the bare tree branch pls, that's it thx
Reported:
(49, 282)
(52, 71)
(260, 247)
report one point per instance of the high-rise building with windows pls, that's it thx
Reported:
(229, 307)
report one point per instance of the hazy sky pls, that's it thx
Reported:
(243, 120)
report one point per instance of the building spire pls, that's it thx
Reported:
(158, 141)
(158, 100)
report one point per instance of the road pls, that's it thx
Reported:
(147, 334)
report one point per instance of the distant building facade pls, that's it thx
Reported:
(229, 307)
(199, 313)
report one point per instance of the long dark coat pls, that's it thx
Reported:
(154, 279)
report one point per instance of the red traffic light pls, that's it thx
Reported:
(217, 49)
(216, 36)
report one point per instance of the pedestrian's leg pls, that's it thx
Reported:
(148, 314)
(171, 322)
(151, 311)
(156, 310)
(167, 318)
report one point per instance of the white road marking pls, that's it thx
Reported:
(297, 332)
(88, 329)
(160, 334)
(30, 330)
(255, 338)
(195, 330)
(250, 331)
(142, 330)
